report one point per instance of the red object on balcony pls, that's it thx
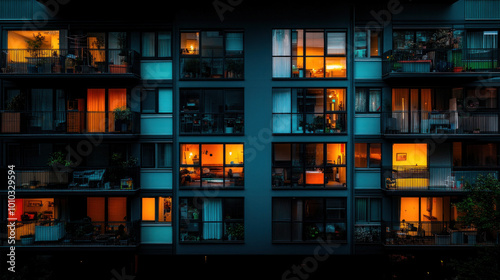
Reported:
(118, 69)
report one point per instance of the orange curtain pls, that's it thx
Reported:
(117, 97)
(96, 120)
(117, 209)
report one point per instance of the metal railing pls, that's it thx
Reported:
(74, 233)
(208, 123)
(441, 60)
(440, 122)
(69, 61)
(75, 178)
(71, 122)
(446, 178)
(194, 230)
(323, 123)
(441, 233)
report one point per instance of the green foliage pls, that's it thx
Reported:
(479, 207)
(123, 113)
(58, 159)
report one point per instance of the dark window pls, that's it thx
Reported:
(148, 155)
(368, 100)
(211, 111)
(211, 219)
(307, 219)
(367, 155)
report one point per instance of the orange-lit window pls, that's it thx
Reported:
(190, 43)
(220, 165)
(409, 155)
(162, 206)
(21, 42)
(148, 209)
(303, 53)
(367, 155)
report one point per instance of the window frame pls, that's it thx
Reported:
(368, 32)
(304, 167)
(304, 56)
(200, 166)
(186, 221)
(366, 93)
(156, 93)
(157, 214)
(156, 46)
(156, 155)
(340, 113)
(368, 156)
(324, 220)
(368, 212)
(224, 57)
(226, 113)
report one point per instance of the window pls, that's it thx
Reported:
(368, 210)
(309, 165)
(367, 43)
(367, 155)
(211, 54)
(156, 44)
(368, 100)
(308, 53)
(211, 219)
(211, 165)
(307, 219)
(156, 100)
(309, 110)
(211, 111)
(160, 205)
(156, 155)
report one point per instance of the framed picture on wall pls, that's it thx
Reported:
(401, 157)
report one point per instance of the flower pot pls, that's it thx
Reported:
(457, 69)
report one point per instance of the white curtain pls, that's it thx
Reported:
(360, 105)
(375, 102)
(281, 47)
(212, 218)
(281, 110)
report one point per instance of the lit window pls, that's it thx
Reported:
(324, 55)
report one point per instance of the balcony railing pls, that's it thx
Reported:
(441, 60)
(441, 233)
(440, 122)
(66, 122)
(328, 123)
(69, 61)
(62, 233)
(212, 231)
(207, 123)
(418, 178)
(75, 178)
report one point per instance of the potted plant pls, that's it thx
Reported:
(236, 231)
(123, 115)
(11, 121)
(57, 159)
(34, 47)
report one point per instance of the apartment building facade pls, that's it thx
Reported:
(236, 128)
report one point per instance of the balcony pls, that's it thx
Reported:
(231, 230)
(207, 123)
(69, 179)
(69, 62)
(435, 233)
(439, 62)
(440, 122)
(85, 233)
(306, 123)
(425, 178)
(67, 122)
